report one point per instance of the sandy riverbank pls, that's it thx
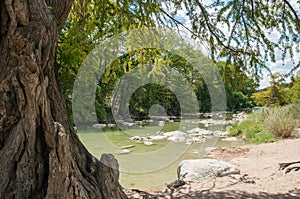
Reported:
(259, 176)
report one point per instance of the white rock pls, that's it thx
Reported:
(123, 151)
(161, 123)
(158, 137)
(111, 125)
(136, 138)
(230, 139)
(176, 136)
(99, 125)
(175, 133)
(195, 139)
(149, 121)
(221, 133)
(195, 130)
(206, 132)
(129, 124)
(200, 169)
(209, 149)
(148, 143)
(177, 139)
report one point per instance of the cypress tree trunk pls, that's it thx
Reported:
(40, 155)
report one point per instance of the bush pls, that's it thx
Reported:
(282, 121)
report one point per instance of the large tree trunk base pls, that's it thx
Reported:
(40, 154)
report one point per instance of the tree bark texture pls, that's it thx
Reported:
(40, 155)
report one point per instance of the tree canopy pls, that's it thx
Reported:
(247, 35)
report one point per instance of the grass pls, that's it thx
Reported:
(253, 131)
(268, 124)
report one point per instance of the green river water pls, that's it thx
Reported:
(146, 167)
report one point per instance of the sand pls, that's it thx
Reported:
(259, 177)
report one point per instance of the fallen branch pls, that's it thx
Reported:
(287, 169)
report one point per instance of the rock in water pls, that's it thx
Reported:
(204, 168)
(122, 152)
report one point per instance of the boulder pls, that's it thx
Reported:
(199, 169)
(158, 137)
(195, 130)
(176, 136)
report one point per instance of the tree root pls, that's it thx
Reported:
(285, 167)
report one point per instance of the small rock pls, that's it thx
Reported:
(128, 124)
(122, 152)
(195, 130)
(230, 139)
(148, 143)
(209, 149)
(111, 125)
(136, 138)
(176, 136)
(99, 125)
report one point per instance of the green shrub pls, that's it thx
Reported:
(251, 130)
(282, 121)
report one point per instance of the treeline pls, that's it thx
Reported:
(279, 93)
(239, 89)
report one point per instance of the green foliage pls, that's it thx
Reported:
(89, 23)
(239, 87)
(253, 131)
(246, 50)
(267, 125)
(294, 92)
(275, 95)
(248, 25)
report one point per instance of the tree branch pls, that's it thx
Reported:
(214, 34)
(177, 22)
(294, 13)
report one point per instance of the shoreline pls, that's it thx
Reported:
(259, 177)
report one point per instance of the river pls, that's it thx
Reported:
(151, 164)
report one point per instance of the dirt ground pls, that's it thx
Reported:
(259, 177)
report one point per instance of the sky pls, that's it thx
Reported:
(278, 66)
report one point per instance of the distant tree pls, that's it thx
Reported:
(274, 95)
(239, 86)
(294, 91)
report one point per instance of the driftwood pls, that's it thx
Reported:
(286, 166)
(176, 184)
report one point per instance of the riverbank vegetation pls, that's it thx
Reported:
(280, 113)
(269, 124)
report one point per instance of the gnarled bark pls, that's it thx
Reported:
(40, 155)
